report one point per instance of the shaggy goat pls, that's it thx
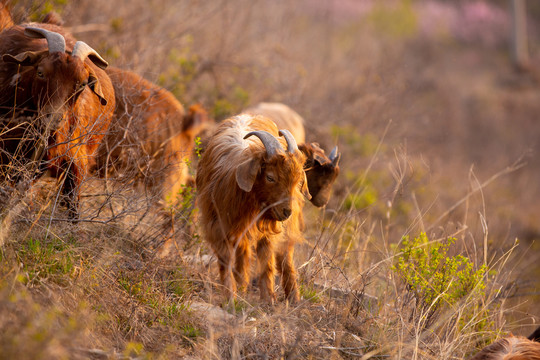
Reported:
(249, 190)
(321, 171)
(151, 137)
(510, 348)
(66, 96)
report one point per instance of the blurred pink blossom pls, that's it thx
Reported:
(473, 21)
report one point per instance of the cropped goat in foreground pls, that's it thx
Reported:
(59, 91)
(510, 348)
(321, 171)
(151, 136)
(249, 189)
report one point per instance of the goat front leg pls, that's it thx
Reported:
(242, 269)
(70, 190)
(225, 262)
(286, 267)
(267, 265)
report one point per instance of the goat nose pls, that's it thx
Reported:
(287, 212)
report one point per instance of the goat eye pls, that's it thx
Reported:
(270, 178)
(40, 74)
(83, 84)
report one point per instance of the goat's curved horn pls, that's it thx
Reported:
(83, 51)
(292, 147)
(334, 156)
(55, 41)
(271, 144)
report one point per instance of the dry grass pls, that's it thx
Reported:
(432, 129)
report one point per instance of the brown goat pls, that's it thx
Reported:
(151, 137)
(66, 95)
(510, 348)
(321, 171)
(249, 191)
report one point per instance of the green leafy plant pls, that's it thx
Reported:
(198, 147)
(433, 277)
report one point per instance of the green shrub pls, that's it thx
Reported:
(433, 277)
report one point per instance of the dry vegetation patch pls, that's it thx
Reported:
(432, 126)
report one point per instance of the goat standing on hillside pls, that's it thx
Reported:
(66, 96)
(151, 136)
(249, 189)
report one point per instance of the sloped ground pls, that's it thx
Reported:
(438, 134)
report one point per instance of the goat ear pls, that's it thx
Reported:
(26, 58)
(246, 173)
(305, 189)
(195, 119)
(95, 86)
(98, 61)
(319, 159)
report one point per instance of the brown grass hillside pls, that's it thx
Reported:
(439, 136)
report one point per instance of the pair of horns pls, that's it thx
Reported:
(57, 43)
(272, 144)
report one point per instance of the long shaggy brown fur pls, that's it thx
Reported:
(510, 348)
(151, 135)
(57, 92)
(236, 221)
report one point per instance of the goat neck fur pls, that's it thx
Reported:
(510, 348)
(68, 99)
(235, 221)
(151, 135)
